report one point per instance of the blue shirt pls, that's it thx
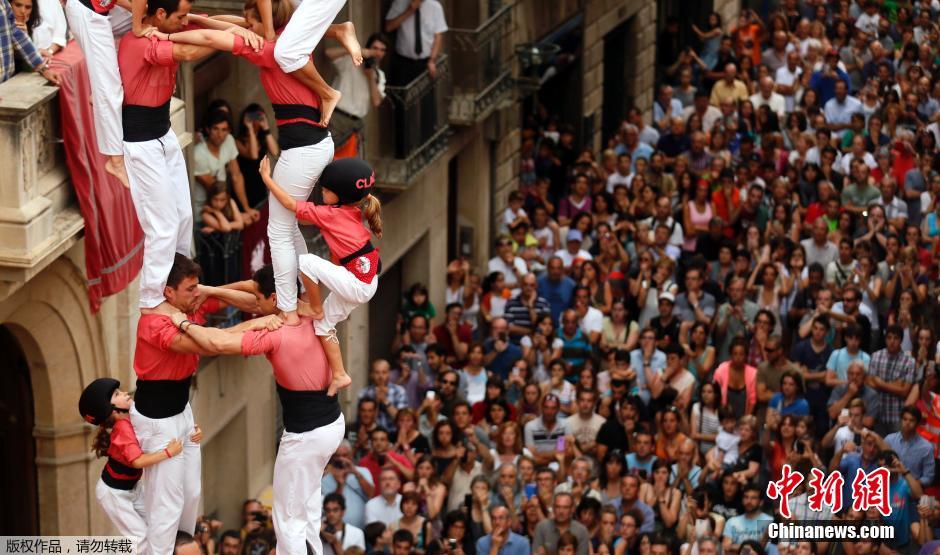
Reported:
(657, 364)
(799, 407)
(826, 86)
(633, 464)
(741, 528)
(352, 493)
(840, 359)
(503, 362)
(649, 517)
(916, 454)
(515, 545)
(903, 509)
(849, 465)
(558, 294)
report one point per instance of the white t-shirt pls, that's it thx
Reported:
(728, 444)
(615, 179)
(508, 217)
(52, 28)
(476, 386)
(787, 78)
(593, 321)
(568, 259)
(353, 82)
(351, 537)
(204, 163)
(497, 264)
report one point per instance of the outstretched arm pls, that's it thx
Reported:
(199, 43)
(211, 340)
(244, 301)
(281, 195)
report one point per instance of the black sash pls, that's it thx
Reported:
(366, 249)
(145, 123)
(307, 410)
(298, 134)
(117, 467)
(161, 398)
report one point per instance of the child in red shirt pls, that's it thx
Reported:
(351, 276)
(107, 407)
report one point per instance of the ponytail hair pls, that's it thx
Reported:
(102, 441)
(281, 11)
(372, 210)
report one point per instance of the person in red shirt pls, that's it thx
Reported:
(103, 404)
(153, 159)
(453, 335)
(313, 423)
(165, 360)
(346, 185)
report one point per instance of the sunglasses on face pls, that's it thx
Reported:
(618, 383)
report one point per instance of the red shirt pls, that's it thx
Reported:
(103, 6)
(295, 354)
(464, 334)
(124, 446)
(368, 461)
(148, 70)
(153, 359)
(280, 87)
(344, 233)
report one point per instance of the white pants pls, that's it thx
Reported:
(304, 32)
(297, 171)
(94, 35)
(171, 487)
(298, 499)
(126, 510)
(160, 189)
(346, 290)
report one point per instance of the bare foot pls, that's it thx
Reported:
(338, 383)
(346, 35)
(115, 166)
(328, 103)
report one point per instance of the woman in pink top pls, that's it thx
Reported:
(351, 276)
(737, 380)
(697, 214)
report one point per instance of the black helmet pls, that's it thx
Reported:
(350, 178)
(95, 402)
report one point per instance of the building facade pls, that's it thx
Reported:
(441, 200)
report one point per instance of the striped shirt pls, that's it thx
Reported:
(892, 368)
(517, 312)
(13, 39)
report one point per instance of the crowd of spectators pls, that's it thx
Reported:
(743, 278)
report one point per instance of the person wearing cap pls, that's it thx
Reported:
(667, 325)
(573, 250)
(352, 275)
(103, 404)
(824, 80)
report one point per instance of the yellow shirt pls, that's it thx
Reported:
(723, 91)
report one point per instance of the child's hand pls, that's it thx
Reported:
(197, 434)
(174, 447)
(265, 169)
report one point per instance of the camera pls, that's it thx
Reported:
(259, 516)
(503, 336)
(451, 543)
(329, 529)
(368, 62)
(337, 464)
(380, 459)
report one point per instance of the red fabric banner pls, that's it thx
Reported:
(114, 241)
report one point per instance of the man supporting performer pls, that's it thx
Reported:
(155, 165)
(313, 422)
(165, 361)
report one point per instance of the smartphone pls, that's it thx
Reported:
(430, 395)
(844, 413)
(515, 371)
(560, 444)
(530, 491)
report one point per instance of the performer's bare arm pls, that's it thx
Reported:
(267, 20)
(210, 340)
(240, 299)
(199, 43)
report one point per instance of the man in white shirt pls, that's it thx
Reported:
(788, 80)
(385, 508)
(573, 250)
(584, 425)
(336, 534)
(700, 105)
(868, 21)
(511, 266)
(213, 158)
(591, 319)
(839, 109)
(621, 175)
(766, 95)
(362, 88)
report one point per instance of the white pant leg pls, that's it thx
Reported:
(304, 31)
(165, 482)
(178, 181)
(192, 479)
(157, 210)
(346, 290)
(121, 506)
(298, 473)
(297, 171)
(94, 35)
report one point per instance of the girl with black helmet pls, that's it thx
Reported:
(352, 276)
(103, 404)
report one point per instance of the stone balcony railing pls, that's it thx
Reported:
(39, 213)
(484, 58)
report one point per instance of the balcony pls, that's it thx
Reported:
(39, 214)
(415, 127)
(484, 57)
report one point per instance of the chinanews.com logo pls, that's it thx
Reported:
(824, 494)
